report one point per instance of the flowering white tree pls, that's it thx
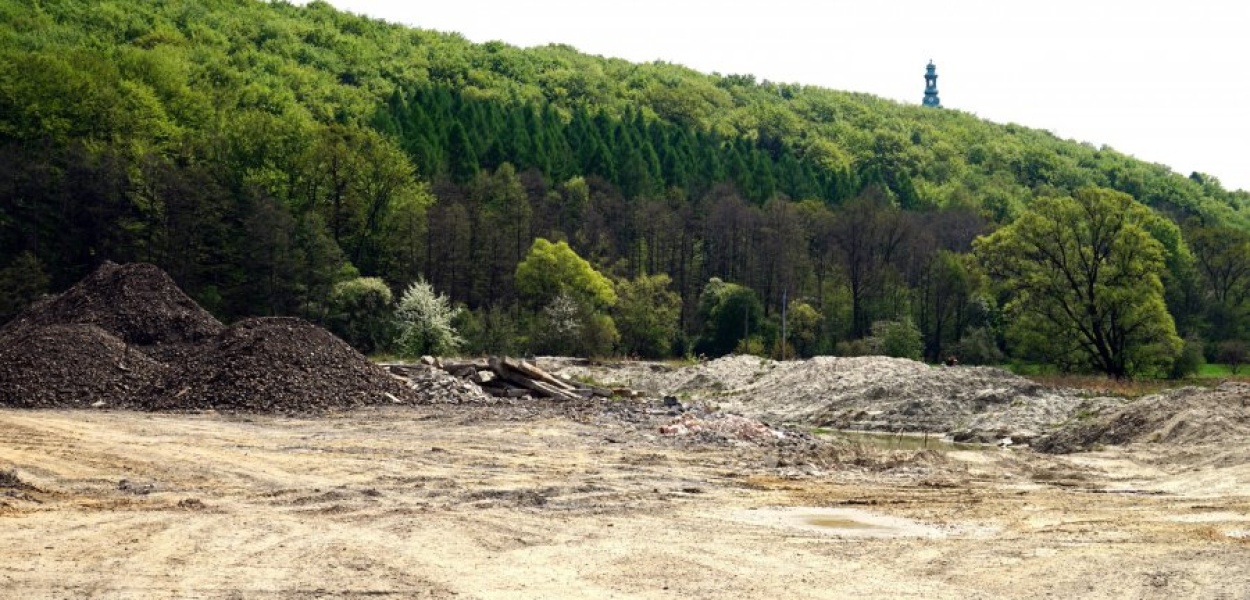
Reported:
(424, 318)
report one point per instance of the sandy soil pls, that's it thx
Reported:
(445, 502)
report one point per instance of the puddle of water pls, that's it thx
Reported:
(906, 441)
(829, 522)
(839, 522)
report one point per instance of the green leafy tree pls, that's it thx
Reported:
(803, 327)
(1222, 255)
(551, 270)
(1084, 275)
(424, 318)
(899, 339)
(647, 315)
(361, 313)
(730, 313)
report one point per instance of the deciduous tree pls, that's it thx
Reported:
(1084, 275)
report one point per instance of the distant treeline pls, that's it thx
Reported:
(272, 157)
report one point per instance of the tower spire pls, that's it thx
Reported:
(930, 86)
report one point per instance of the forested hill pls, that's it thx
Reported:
(266, 153)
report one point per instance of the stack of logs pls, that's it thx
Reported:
(511, 378)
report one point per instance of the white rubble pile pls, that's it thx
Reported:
(872, 393)
(728, 426)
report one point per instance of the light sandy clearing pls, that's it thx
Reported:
(450, 503)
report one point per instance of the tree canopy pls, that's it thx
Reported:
(265, 153)
(1086, 282)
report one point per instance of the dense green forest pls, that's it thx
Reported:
(281, 159)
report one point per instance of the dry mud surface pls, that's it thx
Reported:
(466, 502)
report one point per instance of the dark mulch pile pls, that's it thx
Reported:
(139, 303)
(127, 336)
(277, 364)
(61, 366)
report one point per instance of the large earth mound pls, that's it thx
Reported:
(62, 366)
(1185, 416)
(868, 392)
(277, 364)
(139, 303)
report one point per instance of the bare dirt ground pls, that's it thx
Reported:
(462, 502)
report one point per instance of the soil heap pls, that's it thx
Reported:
(1184, 416)
(139, 303)
(127, 336)
(65, 366)
(277, 364)
(869, 392)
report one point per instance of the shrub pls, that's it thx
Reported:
(899, 339)
(569, 327)
(424, 318)
(1189, 361)
(487, 331)
(360, 313)
(1232, 353)
(979, 347)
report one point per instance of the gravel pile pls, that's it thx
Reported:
(1185, 416)
(126, 336)
(279, 364)
(65, 366)
(138, 303)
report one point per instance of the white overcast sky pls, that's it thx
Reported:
(1164, 81)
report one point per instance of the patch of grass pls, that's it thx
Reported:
(1223, 371)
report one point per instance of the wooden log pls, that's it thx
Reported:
(553, 391)
(573, 382)
(501, 368)
(453, 366)
(536, 373)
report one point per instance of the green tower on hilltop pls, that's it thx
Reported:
(930, 87)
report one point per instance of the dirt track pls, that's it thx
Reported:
(447, 502)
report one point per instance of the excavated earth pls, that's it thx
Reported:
(137, 303)
(269, 460)
(524, 501)
(876, 393)
(1184, 416)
